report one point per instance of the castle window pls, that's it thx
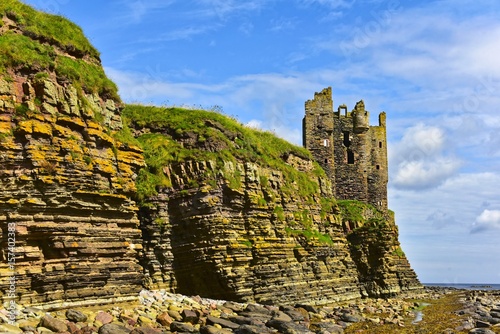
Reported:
(350, 157)
(347, 141)
(378, 166)
(326, 161)
(326, 142)
(380, 144)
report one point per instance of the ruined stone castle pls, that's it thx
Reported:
(353, 153)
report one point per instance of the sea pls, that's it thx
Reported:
(466, 286)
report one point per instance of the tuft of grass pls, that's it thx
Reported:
(21, 111)
(360, 212)
(399, 252)
(246, 243)
(327, 205)
(352, 210)
(18, 51)
(279, 212)
(89, 76)
(126, 136)
(234, 180)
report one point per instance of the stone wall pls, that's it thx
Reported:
(318, 127)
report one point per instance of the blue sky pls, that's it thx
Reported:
(431, 65)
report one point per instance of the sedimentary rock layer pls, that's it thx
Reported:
(260, 243)
(65, 182)
(65, 185)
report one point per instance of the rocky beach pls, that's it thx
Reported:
(431, 310)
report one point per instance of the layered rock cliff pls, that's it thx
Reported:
(105, 201)
(65, 182)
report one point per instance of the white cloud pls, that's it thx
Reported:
(183, 33)
(488, 219)
(292, 135)
(419, 159)
(246, 27)
(435, 226)
(419, 175)
(281, 24)
(254, 124)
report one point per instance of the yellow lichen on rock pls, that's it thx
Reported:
(41, 128)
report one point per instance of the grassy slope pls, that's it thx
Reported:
(237, 143)
(32, 49)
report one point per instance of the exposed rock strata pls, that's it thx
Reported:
(66, 186)
(260, 243)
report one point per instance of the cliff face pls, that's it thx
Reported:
(65, 183)
(180, 199)
(243, 227)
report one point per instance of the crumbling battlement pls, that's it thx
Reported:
(353, 153)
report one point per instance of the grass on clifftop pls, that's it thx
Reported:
(33, 50)
(54, 29)
(209, 135)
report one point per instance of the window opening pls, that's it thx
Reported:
(326, 142)
(380, 144)
(350, 157)
(347, 142)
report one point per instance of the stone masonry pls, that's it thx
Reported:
(353, 153)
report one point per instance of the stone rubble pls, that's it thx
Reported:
(483, 311)
(164, 312)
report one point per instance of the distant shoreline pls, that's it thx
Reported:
(465, 286)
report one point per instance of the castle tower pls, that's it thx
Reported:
(317, 130)
(353, 153)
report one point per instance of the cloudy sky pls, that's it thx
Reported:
(431, 65)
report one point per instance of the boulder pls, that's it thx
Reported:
(53, 324)
(214, 330)
(222, 322)
(177, 326)
(104, 318)
(75, 316)
(113, 329)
